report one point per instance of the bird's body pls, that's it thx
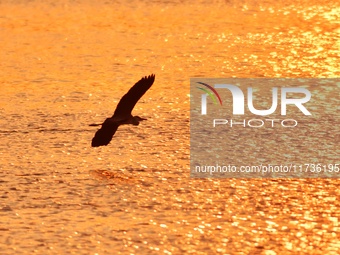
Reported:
(122, 114)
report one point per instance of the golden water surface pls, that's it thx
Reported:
(65, 64)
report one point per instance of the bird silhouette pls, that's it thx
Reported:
(122, 114)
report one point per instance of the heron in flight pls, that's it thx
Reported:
(122, 114)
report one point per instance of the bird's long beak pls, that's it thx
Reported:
(95, 125)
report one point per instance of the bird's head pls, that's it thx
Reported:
(137, 119)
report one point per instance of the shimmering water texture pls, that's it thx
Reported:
(66, 64)
(286, 128)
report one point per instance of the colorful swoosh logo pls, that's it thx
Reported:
(211, 92)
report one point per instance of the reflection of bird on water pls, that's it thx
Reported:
(122, 114)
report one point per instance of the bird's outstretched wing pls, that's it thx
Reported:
(129, 100)
(104, 135)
